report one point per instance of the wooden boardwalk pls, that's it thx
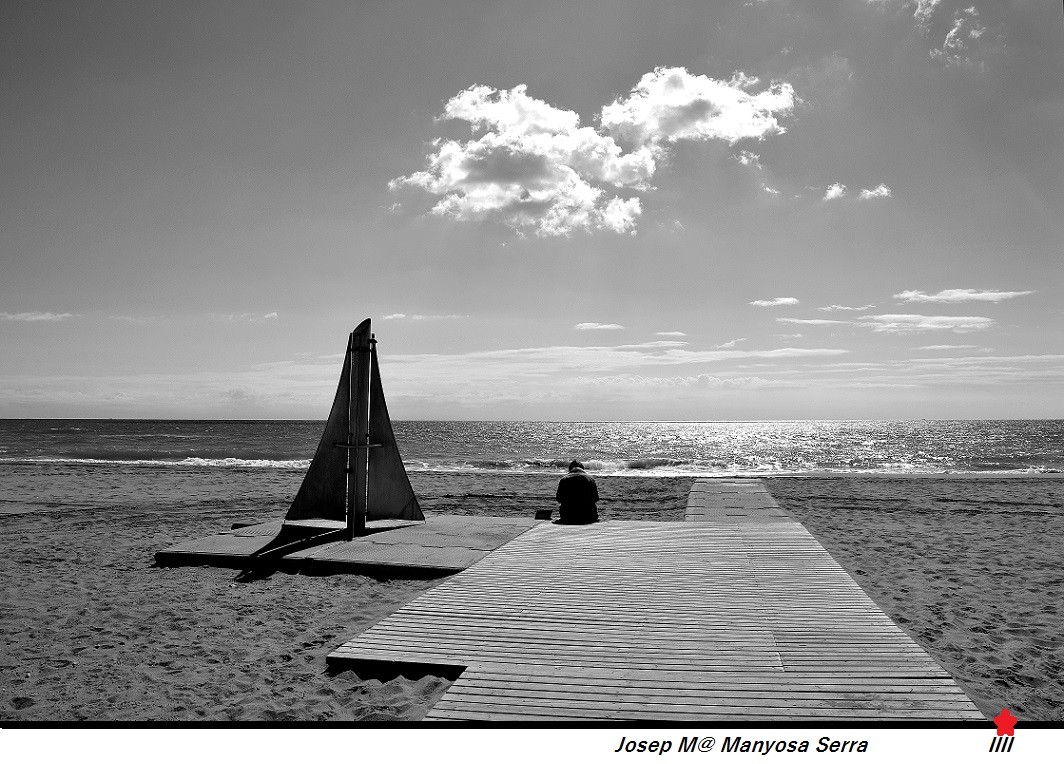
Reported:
(441, 545)
(733, 500)
(740, 618)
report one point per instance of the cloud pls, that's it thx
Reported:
(670, 334)
(811, 321)
(35, 316)
(967, 42)
(882, 191)
(254, 318)
(835, 191)
(947, 347)
(836, 308)
(670, 104)
(591, 326)
(749, 159)
(420, 317)
(532, 166)
(730, 343)
(955, 49)
(924, 11)
(753, 161)
(774, 302)
(896, 323)
(959, 295)
(538, 362)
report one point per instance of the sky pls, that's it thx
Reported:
(605, 210)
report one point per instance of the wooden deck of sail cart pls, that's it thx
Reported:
(737, 614)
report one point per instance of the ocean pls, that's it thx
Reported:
(502, 468)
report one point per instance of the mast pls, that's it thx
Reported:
(358, 408)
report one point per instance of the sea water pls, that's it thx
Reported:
(492, 467)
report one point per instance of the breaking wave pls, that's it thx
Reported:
(276, 464)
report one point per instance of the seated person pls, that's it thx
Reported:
(577, 494)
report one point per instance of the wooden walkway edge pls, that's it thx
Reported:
(442, 545)
(736, 614)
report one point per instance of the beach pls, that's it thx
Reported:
(92, 630)
(969, 566)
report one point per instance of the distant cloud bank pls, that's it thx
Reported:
(591, 326)
(419, 317)
(882, 191)
(774, 302)
(837, 308)
(959, 295)
(897, 323)
(255, 318)
(811, 321)
(533, 167)
(838, 190)
(35, 316)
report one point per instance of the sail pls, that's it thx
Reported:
(325, 492)
(390, 494)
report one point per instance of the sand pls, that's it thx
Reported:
(91, 630)
(969, 567)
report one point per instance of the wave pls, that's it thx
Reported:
(654, 467)
(644, 466)
(300, 464)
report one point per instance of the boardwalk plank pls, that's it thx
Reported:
(736, 614)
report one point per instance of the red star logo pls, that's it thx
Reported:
(1005, 722)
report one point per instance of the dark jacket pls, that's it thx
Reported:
(577, 494)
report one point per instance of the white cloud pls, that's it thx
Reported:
(774, 302)
(836, 308)
(670, 104)
(882, 191)
(896, 323)
(670, 334)
(533, 365)
(420, 317)
(730, 343)
(591, 326)
(811, 321)
(959, 295)
(835, 191)
(619, 215)
(924, 11)
(967, 28)
(533, 167)
(749, 159)
(35, 316)
(947, 347)
(254, 318)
